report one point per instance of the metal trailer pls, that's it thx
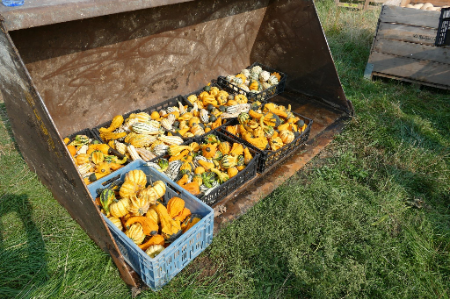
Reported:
(67, 65)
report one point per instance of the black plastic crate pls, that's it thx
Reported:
(443, 35)
(263, 95)
(232, 184)
(237, 181)
(96, 131)
(269, 158)
(88, 132)
(199, 91)
(164, 105)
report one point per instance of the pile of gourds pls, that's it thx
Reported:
(199, 168)
(268, 126)
(214, 102)
(140, 136)
(135, 208)
(94, 159)
(254, 80)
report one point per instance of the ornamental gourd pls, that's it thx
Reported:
(154, 250)
(119, 208)
(232, 171)
(190, 222)
(199, 170)
(153, 215)
(138, 177)
(254, 85)
(149, 195)
(182, 215)
(106, 199)
(170, 229)
(276, 143)
(228, 161)
(286, 136)
(136, 233)
(116, 221)
(82, 159)
(222, 177)
(192, 187)
(154, 240)
(138, 206)
(149, 227)
(209, 150)
(116, 122)
(160, 188)
(128, 189)
(224, 147)
(97, 157)
(247, 156)
(243, 117)
(103, 168)
(175, 206)
(237, 149)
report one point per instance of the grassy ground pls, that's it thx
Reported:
(368, 218)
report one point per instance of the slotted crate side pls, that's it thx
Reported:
(156, 272)
(234, 183)
(404, 48)
(443, 35)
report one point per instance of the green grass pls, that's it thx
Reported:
(368, 218)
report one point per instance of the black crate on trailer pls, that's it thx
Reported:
(267, 157)
(263, 95)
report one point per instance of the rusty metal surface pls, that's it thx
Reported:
(291, 39)
(45, 152)
(36, 13)
(323, 130)
(136, 59)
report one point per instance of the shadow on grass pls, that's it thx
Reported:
(23, 264)
(5, 120)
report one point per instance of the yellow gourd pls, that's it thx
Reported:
(128, 189)
(206, 165)
(136, 233)
(82, 159)
(232, 172)
(170, 229)
(138, 177)
(138, 205)
(175, 206)
(237, 149)
(119, 208)
(199, 170)
(155, 240)
(149, 227)
(247, 156)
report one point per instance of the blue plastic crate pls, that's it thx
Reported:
(156, 272)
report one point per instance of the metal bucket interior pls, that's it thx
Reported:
(59, 78)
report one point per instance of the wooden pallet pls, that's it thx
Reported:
(403, 48)
(360, 4)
